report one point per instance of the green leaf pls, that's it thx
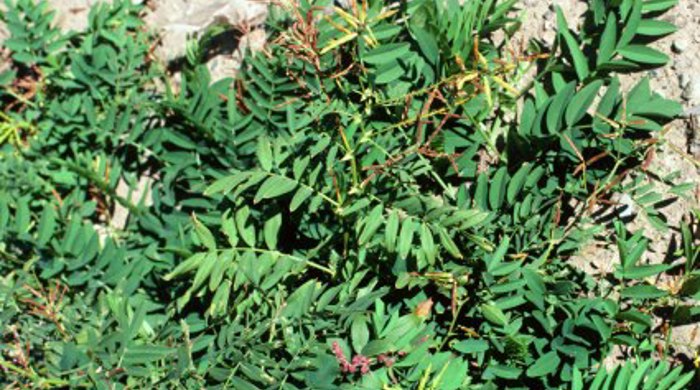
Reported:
(481, 195)
(226, 184)
(690, 250)
(631, 24)
(220, 268)
(408, 227)
(546, 364)
(658, 5)
(136, 321)
(638, 374)
(271, 231)
(7, 76)
(237, 382)
(427, 44)
(299, 197)
(498, 186)
(580, 103)
(388, 72)
(391, 230)
(623, 376)
(219, 303)
(636, 317)
(360, 333)
(228, 227)
(497, 257)
(579, 59)
(518, 182)
(142, 354)
(273, 187)
(449, 244)
(265, 153)
(465, 219)
(643, 54)
(23, 216)
(576, 380)
(204, 234)
(356, 206)
(655, 28)
(47, 226)
(371, 224)
(657, 107)
(556, 110)
(204, 270)
(683, 381)
(608, 41)
(494, 315)
(376, 347)
(503, 371)
(428, 243)
(186, 266)
(301, 300)
(645, 271)
(471, 346)
(247, 233)
(642, 292)
(386, 53)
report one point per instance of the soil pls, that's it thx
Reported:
(175, 20)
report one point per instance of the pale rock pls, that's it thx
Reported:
(683, 80)
(174, 20)
(192, 18)
(691, 92)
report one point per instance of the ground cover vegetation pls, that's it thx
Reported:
(379, 199)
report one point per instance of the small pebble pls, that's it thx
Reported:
(626, 208)
(680, 45)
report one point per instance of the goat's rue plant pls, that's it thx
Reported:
(387, 196)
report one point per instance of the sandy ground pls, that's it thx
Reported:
(176, 19)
